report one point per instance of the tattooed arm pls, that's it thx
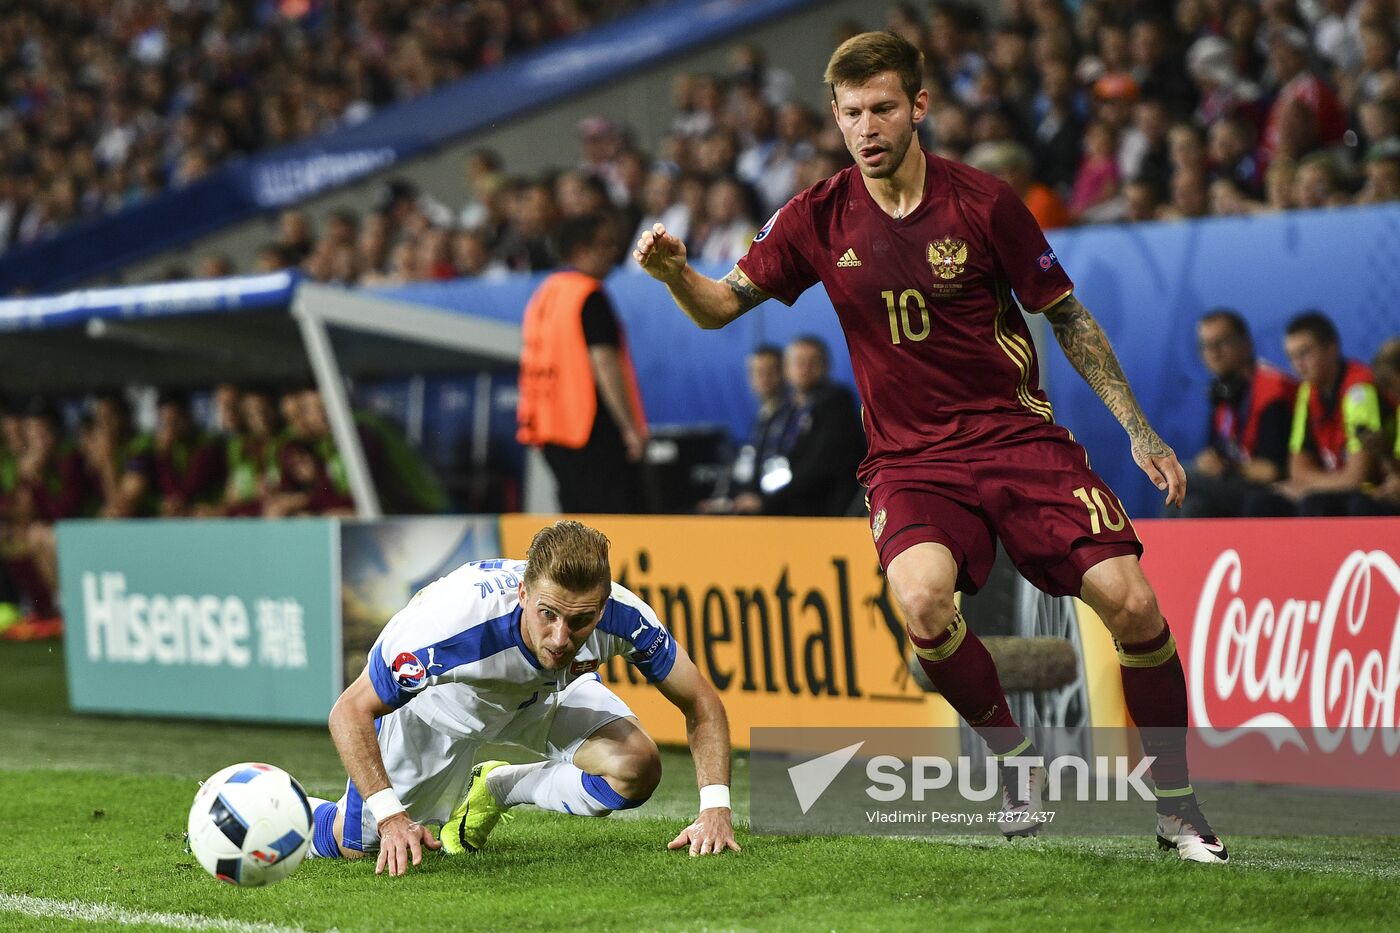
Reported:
(1087, 348)
(709, 303)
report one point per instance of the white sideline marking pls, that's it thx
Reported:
(109, 913)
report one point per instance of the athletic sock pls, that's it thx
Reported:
(558, 786)
(958, 664)
(323, 843)
(1154, 689)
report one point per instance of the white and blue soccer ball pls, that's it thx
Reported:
(250, 824)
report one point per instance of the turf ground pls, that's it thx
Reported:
(92, 811)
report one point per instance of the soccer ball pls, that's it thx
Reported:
(250, 824)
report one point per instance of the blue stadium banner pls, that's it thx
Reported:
(206, 296)
(202, 619)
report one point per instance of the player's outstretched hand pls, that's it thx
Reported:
(401, 839)
(710, 834)
(660, 253)
(1159, 462)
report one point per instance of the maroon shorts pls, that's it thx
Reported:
(1053, 514)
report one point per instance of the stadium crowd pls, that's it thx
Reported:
(1116, 112)
(103, 104)
(263, 452)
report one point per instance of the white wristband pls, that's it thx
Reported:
(384, 804)
(714, 795)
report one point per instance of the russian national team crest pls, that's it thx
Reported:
(409, 672)
(948, 257)
(877, 527)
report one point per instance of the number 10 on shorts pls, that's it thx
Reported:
(1103, 510)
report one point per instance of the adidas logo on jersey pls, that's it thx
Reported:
(848, 260)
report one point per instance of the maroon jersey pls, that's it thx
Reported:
(942, 357)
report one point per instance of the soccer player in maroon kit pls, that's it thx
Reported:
(920, 256)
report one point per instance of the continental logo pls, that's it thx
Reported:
(776, 638)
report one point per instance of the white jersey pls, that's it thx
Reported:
(455, 651)
(455, 668)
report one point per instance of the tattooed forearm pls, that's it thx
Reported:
(1088, 350)
(749, 294)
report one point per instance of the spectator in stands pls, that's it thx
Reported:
(1315, 183)
(471, 255)
(215, 266)
(52, 485)
(1058, 125)
(1141, 201)
(1143, 153)
(730, 226)
(1247, 437)
(1011, 162)
(823, 443)
(1337, 408)
(295, 235)
(253, 454)
(188, 466)
(1097, 181)
(1384, 446)
(1230, 155)
(11, 451)
(1380, 122)
(484, 177)
(525, 248)
(223, 410)
(311, 474)
(1382, 173)
(765, 447)
(660, 203)
(117, 459)
(1223, 93)
(1288, 59)
(579, 401)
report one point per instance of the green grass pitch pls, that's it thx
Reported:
(92, 810)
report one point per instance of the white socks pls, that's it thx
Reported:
(555, 785)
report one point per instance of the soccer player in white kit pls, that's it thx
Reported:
(506, 651)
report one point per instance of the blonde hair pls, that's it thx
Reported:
(863, 56)
(571, 555)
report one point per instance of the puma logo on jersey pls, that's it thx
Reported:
(848, 260)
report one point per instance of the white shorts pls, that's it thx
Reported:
(429, 769)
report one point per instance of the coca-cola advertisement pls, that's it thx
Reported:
(1289, 632)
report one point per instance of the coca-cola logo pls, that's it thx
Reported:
(1328, 666)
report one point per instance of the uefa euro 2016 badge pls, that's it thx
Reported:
(877, 527)
(948, 257)
(409, 672)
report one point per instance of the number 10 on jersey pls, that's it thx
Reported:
(899, 312)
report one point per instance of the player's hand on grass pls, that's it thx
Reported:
(401, 839)
(1159, 462)
(710, 834)
(660, 253)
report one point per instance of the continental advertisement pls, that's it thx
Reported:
(789, 618)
